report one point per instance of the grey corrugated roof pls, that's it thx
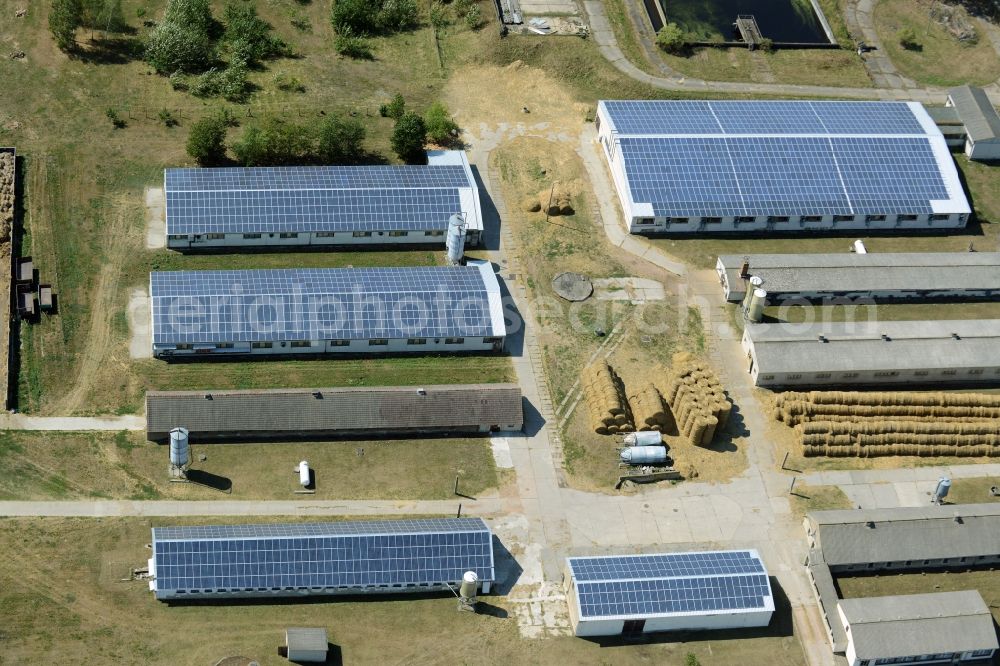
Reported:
(907, 533)
(300, 638)
(859, 346)
(977, 113)
(383, 408)
(919, 624)
(851, 272)
(828, 598)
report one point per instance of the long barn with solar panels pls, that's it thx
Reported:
(779, 166)
(303, 559)
(327, 310)
(321, 205)
(635, 594)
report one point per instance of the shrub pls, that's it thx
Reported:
(408, 138)
(167, 118)
(116, 120)
(274, 142)
(439, 15)
(368, 17)
(301, 23)
(288, 83)
(178, 81)
(64, 19)
(207, 84)
(248, 36)
(352, 46)
(194, 15)
(230, 83)
(207, 141)
(394, 109)
(341, 141)
(691, 659)
(767, 45)
(441, 128)
(671, 38)
(175, 48)
(908, 39)
(474, 17)
(103, 15)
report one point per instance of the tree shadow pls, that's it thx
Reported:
(110, 50)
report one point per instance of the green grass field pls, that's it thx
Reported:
(68, 465)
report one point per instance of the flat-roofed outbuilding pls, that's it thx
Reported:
(874, 353)
(334, 412)
(878, 276)
(980, 119)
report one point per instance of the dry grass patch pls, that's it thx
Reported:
(938, 58)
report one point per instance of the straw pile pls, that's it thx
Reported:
(836, 423)
(605, 397)
(649, 411)
(6, 195)
(696, 398)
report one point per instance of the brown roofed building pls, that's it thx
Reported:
(334, 412)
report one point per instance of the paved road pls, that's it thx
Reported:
(304, 507)
(71, 423)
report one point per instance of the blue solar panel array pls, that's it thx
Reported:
(320, 303)
(727, 176)
(648, 585)
(763, 117)
(313, 199)
(252, 560)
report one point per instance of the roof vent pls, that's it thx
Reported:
(318, 395)
(421, 391)
(886, 338)
(958, 519)
(870, 524)
(823, 338)
(208, 396)
(956, 336)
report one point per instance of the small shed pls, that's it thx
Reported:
(306, 644)
(45, 297)
(24, 270)
(25, 302)
(982, 124)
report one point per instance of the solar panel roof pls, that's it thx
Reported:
(642, 586)
(318, 557)
(313, 199)
(781, 158)
(763, 117)
(325, 303)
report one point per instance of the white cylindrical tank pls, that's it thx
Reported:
(303, 470)
(641, 455)
(179, 449)
(455, 241)
(859, 247)
(470, 585)
(941, 491)
(644, 438)
(755, 312)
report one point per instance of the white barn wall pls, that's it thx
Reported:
(693, 622)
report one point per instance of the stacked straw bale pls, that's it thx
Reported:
(841, 423)
(604, 395)
(697, 400)
(649, 411)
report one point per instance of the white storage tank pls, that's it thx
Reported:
(758, 301)
(180, 452)
(859, 247)
(303, 470)
(755, 282)
(455, 241)
(644, 438)
(470, 585)
(643, 455)
(941, 490)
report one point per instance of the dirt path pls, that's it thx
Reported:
(105, 300)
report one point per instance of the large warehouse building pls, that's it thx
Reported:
(334, 412)
(327, 310)
(321, 205)
(779, 166)
(965, 351)
(636, 594)
(881, 277)
(307, 559)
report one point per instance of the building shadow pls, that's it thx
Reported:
(533, 419)
(505, 567)
(491, 216)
